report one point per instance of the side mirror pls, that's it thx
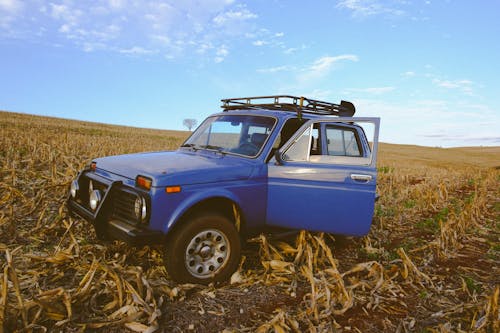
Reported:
(277, 156)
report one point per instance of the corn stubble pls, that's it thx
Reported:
(430, 262)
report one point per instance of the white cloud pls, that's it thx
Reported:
(70, 18)
(318, 94)
(176, 28)
(291, 50)
(466, 139)
(465, 86)
(65, 28)
(320, 67)
(234, 15)
(93, 46)
(306, 77)
(203, 48)
(11, 6)
(452, 84)
(117, 4)
(9, 12)
(264, 37)
(432, 122)
(221, 54)
(63, 12)
(276, 69)
(365, 8)
(165, 40)
(137, 50)
(408, 74)
(324, 64)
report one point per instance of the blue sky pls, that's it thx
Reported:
(429, 69)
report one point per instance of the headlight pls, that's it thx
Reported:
(74, 188)
(95, 198)
(140, 208)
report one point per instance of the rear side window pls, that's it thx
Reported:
(342, 141)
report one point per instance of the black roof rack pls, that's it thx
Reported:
(290, 103)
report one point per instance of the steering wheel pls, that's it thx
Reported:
(248, 148)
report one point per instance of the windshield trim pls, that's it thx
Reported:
(196, 148)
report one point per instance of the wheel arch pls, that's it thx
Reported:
(223, 204)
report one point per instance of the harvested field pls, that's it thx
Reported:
(431, 262)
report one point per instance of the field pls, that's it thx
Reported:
(431, 262)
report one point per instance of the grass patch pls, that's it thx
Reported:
(431, 224)
(471, 284)
(385, 169)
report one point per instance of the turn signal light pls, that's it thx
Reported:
(173, 189)
(143, 182)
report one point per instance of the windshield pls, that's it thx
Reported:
(237, 134)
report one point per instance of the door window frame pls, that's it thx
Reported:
(371, 151)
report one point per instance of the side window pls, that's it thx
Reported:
(342, 142)
(299, 150)
(330, 144)
(315, 141)
(287, 131)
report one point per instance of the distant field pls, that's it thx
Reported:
(444, 157)
(430, 263)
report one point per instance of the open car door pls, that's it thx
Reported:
(324, 177)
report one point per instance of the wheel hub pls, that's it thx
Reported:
(207, 253)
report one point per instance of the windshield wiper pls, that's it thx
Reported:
(216, 148)
(190, 145)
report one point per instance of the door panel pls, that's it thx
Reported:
(320, 192)
(320, 198)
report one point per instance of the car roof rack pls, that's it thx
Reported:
(290, 103)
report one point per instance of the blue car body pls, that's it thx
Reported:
(260, 168)
(297, 195)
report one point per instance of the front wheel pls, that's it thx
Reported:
(206, 249)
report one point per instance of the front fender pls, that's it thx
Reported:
(196, 198)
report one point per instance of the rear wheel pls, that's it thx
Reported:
(206, 249)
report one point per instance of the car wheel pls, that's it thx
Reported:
(206, 249)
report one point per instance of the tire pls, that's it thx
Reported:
(205, 249)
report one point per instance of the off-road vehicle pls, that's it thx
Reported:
(263, 163)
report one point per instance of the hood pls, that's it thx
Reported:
(177, 167)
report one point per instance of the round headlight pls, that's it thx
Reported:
(95, 198)
(140, 208)
(74, 188)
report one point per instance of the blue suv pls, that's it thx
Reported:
(270, 163)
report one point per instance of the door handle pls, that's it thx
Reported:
(361, 178)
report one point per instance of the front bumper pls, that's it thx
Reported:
(107, 223)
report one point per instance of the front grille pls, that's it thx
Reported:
(123, 206)
(84, 193)
(119, 204)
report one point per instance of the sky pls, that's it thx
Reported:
(429, 69)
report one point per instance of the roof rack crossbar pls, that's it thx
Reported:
(290, 103)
